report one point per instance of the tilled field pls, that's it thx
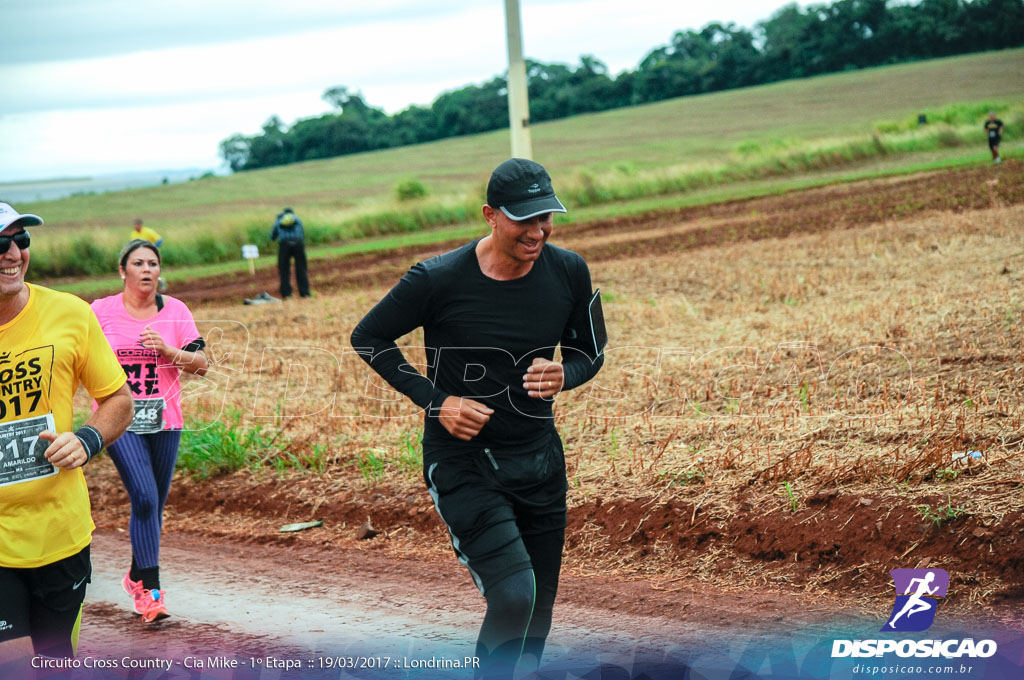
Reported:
(828, 208)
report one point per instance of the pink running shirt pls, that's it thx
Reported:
(150, 376)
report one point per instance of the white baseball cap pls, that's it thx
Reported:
(9, 216)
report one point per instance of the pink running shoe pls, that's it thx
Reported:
(133, 588)
(150, 604)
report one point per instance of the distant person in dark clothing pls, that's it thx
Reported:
(290, 238)
(492, 313)
(994, 129)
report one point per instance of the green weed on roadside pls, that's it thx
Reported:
(941, 513)
(372, 463)
(410, 454)
(219, 447)
(793, 502)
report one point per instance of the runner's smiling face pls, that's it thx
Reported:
(13, 265)
(523, 240)
(141, 271)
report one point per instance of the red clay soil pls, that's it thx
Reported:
(839, 544)
(304, 601)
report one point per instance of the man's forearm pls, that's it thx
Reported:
(113, 415)
(578, 368)
(387, 361)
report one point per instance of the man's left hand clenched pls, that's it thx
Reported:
(544, 379)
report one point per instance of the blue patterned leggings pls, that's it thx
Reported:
(146, 465)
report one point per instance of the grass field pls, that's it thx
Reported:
(778, 130)
(885, 166)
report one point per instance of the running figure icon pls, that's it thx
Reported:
(917, 603)
(917, 594)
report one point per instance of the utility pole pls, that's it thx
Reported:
(518, 97)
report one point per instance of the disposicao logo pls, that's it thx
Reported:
(917, 593)
(914, 608)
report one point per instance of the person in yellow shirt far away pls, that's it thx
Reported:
(143, 232)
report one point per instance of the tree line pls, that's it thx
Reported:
(794, 43)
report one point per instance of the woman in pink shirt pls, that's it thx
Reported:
(155, 338)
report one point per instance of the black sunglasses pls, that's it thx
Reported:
(21, 239)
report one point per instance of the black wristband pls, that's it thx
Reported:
(91, 439)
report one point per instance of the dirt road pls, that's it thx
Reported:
(259, 601)
(281, 613)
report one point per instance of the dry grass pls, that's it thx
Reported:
(866, 356)
(872, 353)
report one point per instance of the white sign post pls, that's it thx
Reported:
(251, 252)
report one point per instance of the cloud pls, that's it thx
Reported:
(382, 55)
(57, 30)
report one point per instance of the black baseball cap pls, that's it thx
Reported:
(522, 189)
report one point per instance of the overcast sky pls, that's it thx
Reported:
(118, 85)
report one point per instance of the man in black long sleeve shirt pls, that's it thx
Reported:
(493, 312)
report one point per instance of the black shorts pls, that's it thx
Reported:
(489, 500)
(45, 603)
(993, 142)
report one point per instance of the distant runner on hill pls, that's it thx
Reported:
(994, 129)
(145, 233)
(492, 313)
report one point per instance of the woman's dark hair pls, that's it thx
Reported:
(134, 245)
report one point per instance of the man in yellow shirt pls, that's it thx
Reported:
(139, 231)
(50, 342)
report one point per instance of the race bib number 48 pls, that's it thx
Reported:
(21, 450)
(149, 416)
